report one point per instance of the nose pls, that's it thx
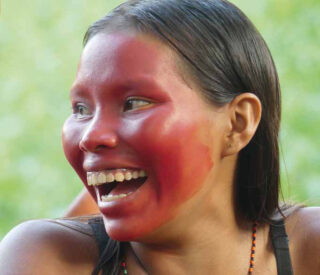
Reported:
(98, 136)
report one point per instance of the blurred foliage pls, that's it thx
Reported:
(40, 44)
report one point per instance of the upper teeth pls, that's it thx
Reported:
(119, 175)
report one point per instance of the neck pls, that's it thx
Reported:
(203, 239)
(202, 244)
(206, 252)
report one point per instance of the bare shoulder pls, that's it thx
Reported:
(46, 247)
(303, 228)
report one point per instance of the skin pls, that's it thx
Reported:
(185, 224)
(156, 137)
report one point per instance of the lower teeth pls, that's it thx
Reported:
(107, 198)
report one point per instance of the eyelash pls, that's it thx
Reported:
(76, 110)
(81, 111)
(131, 101)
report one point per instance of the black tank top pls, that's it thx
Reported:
(278, 235)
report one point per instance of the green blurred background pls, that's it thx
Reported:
(40, 43)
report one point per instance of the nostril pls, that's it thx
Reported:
(82, 146)
(99, 147)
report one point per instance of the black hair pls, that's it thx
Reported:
(225, 55)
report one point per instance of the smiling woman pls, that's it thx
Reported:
(139, 139)
(174, 133)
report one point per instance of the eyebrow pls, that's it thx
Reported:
(140, 83)
(76, 91)
(129, 84)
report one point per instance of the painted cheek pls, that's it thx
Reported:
(179, 171)
(175, 153)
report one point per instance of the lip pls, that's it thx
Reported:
(101, 165)
(113, 158)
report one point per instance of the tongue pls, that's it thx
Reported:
(127, 186)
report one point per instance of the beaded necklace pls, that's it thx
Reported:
(124, 268)
(252, 254)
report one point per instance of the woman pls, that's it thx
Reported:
(174, 133)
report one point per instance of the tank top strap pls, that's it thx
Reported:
(109, 250)
(99, 232)
(280, 243)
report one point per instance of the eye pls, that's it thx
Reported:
(136, 103)
(81, 111)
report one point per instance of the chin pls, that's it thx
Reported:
(125, 231)
(118, 231)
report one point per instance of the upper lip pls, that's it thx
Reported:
(107, 164)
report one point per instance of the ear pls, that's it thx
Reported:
(244, 117)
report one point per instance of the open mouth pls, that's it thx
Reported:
(115, 184)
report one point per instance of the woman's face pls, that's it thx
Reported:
(133, 113)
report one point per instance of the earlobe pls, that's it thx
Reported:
(245, 115)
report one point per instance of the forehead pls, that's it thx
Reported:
(125, 57)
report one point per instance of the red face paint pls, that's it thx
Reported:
(170, 137)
